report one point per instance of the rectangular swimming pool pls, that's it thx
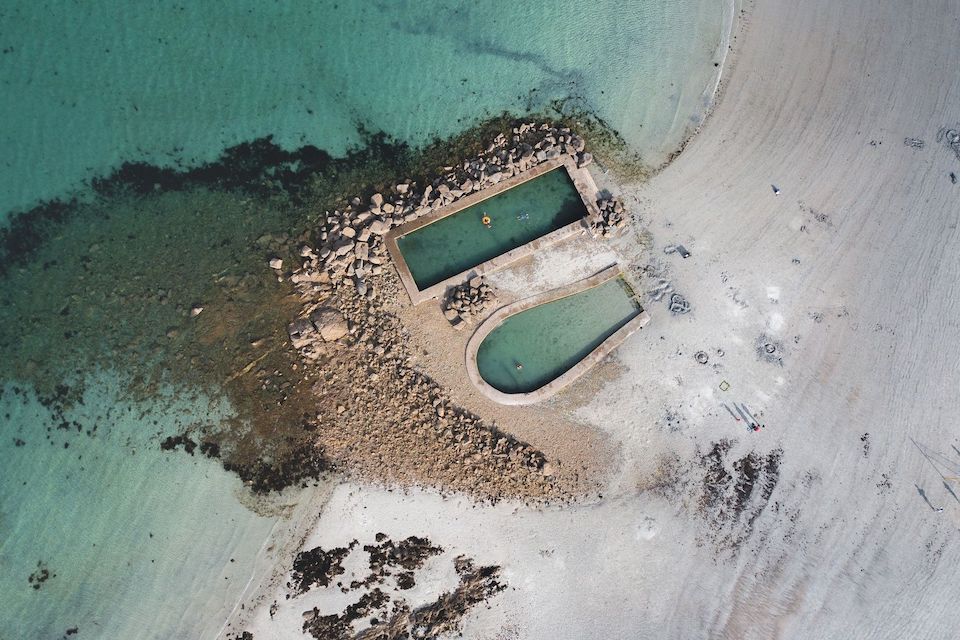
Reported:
(461, 241)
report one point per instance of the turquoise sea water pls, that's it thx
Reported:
(550, 338)
(138, 542)
(86, 85)
(517, 216)
(152, 544)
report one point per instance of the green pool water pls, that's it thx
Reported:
(461, 241)
(551, 338)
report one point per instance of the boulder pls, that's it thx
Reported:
(379, 227)
(301, 333)
(376, 200)
(329, 323)
(321, 277)
(348, 232)
(276, 263)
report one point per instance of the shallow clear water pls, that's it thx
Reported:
(86, 85)
(550, 338)
(140, 543)
(519, 215)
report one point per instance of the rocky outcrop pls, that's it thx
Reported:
(467, 301)
(377, 414)
(348, 246)
(611, 219)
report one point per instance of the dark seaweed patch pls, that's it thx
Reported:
(40, 576)
(317, 568)
(733, 493)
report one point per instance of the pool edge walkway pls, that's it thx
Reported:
(570, 375)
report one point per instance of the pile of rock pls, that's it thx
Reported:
(380, 417)
(612, 217)
(467, 301)
(348, 244)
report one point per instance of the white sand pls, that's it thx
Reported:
(848, 547)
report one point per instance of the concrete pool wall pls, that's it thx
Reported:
(572, 374)
(583, 183)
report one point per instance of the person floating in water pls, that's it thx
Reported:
(519, 367)
(486, 220)
(523, 216)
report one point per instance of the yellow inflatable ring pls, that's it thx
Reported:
(485, 219)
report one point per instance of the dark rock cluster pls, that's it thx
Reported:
(466, 302)
(386, 615)
(611, 220)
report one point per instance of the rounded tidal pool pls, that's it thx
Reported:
(549, 339)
